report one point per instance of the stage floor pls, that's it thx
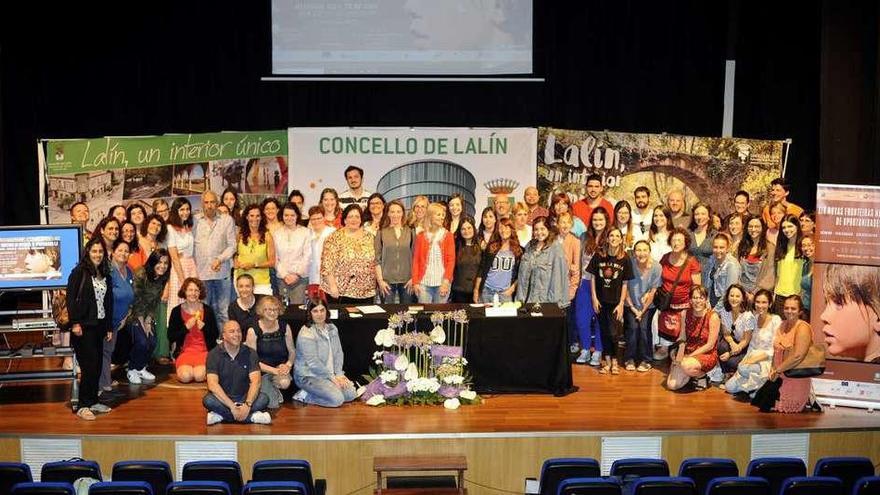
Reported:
(627, 404)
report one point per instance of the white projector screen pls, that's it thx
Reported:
(401, 37)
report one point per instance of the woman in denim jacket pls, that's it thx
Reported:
(317, 370)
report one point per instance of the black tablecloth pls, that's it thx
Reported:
(505, 355)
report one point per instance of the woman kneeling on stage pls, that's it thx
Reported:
(192, 331)
(317, 369)
(697, 350)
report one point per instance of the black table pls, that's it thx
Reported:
(524, 354)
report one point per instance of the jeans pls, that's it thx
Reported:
(142, 346)
(108, 347)
(397, 295)
(487, 295)
(324, 392)
(639, 340)
(294, 293)
(218, 298)
(585, 317)
(431, 295)
(213, 404)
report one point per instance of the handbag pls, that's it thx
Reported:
(662, 297)
(813, 363)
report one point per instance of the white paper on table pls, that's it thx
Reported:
(502, 311)
(371, 309)
(334, 314)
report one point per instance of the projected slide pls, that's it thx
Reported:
(28, 258)
(401, 37)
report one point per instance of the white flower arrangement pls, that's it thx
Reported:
(376, 400)
(451, 403)
(429, 385)
(467, 394)
(384, 337)
(401, 363)
(453, 380)
(389, 377)
(438, 336)
(378, 357)
(411, 372)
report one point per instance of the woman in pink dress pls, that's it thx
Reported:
(793, 340)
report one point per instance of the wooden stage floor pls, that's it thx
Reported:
(605, 405)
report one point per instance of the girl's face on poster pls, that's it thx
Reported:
(849, 328)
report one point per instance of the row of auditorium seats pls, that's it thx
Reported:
(271, 477)
(710, 476)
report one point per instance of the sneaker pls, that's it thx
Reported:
(660, 354)
(644, 367)
(134, 377)
(597, 357)
(630, 366)
(100, 408)
(213, 418)
(261, 418)
(85, 413)
(146, 375)
(300, 396)
(583, 357)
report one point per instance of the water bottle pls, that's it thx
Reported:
(495, 301)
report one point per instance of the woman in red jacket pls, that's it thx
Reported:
(433, 258)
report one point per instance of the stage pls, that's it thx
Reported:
(505, 439)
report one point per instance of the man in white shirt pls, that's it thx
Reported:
(642, 213)
(355, 192)
(214, 245)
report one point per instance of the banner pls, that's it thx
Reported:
(845, 310)
(107, 171)
(402, 163)
(707, 169)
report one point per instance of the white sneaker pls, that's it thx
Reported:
(134, 377)
(261, 418)
(583, 357)
(661, 353)
(596, 359)
(213, 418)
(573, 348)
(147, 376)
(99, 408)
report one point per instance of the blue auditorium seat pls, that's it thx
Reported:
(289, 470)
(846, 469)
(869, 485)
(274, 488)
(812, 485)
(639, 467)
(589, 486)
(555, 470)
(43, 488)
(663, 485)
(776, 470)
(198, 488)
(70, 471)
(121, 488)
(228, 471)
(738, 485)
(704, 469)
(12, 473)
(156, 473)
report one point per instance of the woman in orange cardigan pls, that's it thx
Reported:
(433, 258)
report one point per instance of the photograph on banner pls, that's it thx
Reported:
(405, 163)
(845, 311)
(848, 224)
(105, 172)
(709, 170)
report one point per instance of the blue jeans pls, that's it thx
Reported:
(488, 294)
(585, 317)
(142, 346)
(397, 295)
(324, 392)
(431, 295)
(218, 298)
(213, 404)
(639, 340)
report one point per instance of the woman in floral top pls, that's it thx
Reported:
(348, 263)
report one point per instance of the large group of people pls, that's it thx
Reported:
(722, 298)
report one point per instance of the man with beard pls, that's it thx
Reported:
(642, 214)
(595, 198)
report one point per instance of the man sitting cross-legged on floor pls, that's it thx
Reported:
(234, 382)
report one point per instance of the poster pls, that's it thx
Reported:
(848, 224)
(708, 169)
(402, 163)
(107, 171)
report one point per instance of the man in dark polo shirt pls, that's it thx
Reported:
(234, 382)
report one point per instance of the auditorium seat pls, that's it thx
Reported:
(639, 467)
(750, 485)
(812, 485)
(156, 473)
(776, 470)
(43, 488)
(846, 469)
(274, 488)
(12, 473)
(704, 469)
(198, 488)
(869, 485)
(121, 488)
(289, 470)
(227, 471)
(555, 470)
(663, 485)
(70, 471)
(589, 486)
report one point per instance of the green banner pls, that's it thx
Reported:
(66, 156)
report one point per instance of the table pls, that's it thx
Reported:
(387, 464)
(68, 375)
(523, 354)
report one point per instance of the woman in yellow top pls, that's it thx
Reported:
(256, 250)
(789, 262)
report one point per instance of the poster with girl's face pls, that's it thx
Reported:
(845, 311)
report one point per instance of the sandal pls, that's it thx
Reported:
(604, 369)
(85, 413)
(615, 370)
